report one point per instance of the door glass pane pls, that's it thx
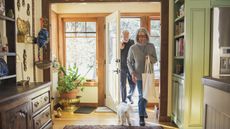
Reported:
(130, 24)
(155, 39)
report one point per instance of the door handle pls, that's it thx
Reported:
(116, 71)
(117, 60)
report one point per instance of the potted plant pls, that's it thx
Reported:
(69, 82)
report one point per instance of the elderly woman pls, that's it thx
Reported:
(136, 64)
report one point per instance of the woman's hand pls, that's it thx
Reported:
(134, 78)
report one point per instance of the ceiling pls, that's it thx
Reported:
(107, 7)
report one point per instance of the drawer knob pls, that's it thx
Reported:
(47, 114)
(38, 123)
(46, 98)
(36, 104)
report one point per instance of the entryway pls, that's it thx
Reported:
(102, 62)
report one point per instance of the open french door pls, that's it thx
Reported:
(112, 60)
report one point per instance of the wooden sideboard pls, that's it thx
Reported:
(216, 103)
(25, 107)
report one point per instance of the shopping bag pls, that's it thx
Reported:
(148, 84)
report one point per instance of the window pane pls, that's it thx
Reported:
(91, 27)
(130, 24)
(80, 27)
(69, 26)
(155, 28)
(82, 52)
(70, 35)
(81, 48)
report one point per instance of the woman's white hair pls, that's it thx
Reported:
(145, 31)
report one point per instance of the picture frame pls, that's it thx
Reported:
(2, 7)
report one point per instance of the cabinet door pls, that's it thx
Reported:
(174, 97)
(180, 107)
(19, 117)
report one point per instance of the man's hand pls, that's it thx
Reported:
(122, 45)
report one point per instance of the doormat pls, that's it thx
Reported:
(110, 127)
(103, 109)
(85, 110)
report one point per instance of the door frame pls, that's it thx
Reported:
(163, 116)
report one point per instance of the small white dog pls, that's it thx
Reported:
(123, 113)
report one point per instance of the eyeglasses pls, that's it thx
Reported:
(142, 36)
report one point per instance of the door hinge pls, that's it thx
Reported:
(105, 96)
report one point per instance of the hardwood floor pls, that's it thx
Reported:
(69, 118)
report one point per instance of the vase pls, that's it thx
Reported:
(70, 95)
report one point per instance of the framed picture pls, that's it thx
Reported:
(2, 7)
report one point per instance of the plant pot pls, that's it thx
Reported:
(70, 95)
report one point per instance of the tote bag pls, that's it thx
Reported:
(149, 90)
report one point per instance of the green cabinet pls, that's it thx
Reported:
(187, 105)
(220, 3)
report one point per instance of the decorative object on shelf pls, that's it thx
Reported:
(24, 82)
(23, 3)
(3, 68)
(42, 38)
(18, 5)
(2, 7)
(58, 115)
(25, 60)
(42, 41)
(45, 64)
(23, 29)
(28, 10)
(4, 44)
(10, 13)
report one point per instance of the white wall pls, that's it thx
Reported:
(20, 46)
(21, 13)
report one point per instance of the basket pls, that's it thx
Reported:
(45, 64)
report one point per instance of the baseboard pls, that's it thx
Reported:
(164, 119)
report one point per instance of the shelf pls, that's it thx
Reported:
(179, 36)
(180, 18)
(7, 18)
(7, 77)
(178, 75)
(7, 54)
(179, 57)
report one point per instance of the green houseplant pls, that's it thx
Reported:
(69, 82)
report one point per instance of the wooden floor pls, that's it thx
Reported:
(69, 118)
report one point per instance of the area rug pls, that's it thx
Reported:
(85, 110)
(103, 109)
(110, 127)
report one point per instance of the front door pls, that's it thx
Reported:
(112, 60)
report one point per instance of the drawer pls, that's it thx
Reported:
(48, 126)
(40, 101)
(42, 118)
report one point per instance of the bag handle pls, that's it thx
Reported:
(148, 65)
